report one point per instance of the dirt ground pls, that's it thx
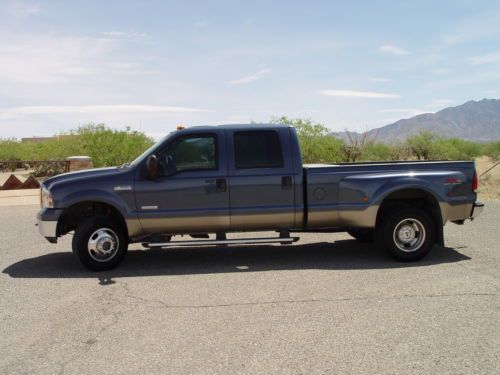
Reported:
(489, 184)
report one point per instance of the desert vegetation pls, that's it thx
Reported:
(106, 146)
(318, 146)
(109, 147)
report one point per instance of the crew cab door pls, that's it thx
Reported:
(261, 179)
(191, 192)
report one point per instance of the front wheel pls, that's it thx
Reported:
(408, 233)
(100, 243)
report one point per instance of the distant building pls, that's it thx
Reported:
(45, 139)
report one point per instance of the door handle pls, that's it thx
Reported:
(221, 185)
(286, 182)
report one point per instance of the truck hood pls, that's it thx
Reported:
(88, 174)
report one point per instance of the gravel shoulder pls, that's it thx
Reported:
(325, 305)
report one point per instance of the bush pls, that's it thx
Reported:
(109, 147)
(375, 151)
(492, 150)
(316, 144)
(106, 146)
(48, 169)
(422, 145)
(429, 146)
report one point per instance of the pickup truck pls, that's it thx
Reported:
(213, 180)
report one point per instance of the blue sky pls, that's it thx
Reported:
(153, 65)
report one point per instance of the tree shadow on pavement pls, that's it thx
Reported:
(341, 255)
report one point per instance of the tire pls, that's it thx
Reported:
(100, 243)
(407, 233)
(362, 234)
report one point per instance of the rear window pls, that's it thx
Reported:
(257, 149)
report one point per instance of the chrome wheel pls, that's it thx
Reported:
(103, 245)
(409, 235)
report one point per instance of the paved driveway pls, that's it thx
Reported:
(328, 305)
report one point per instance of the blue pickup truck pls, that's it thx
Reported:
(207, 181)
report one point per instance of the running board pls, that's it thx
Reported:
(238, 241)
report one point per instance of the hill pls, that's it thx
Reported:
(474, 120)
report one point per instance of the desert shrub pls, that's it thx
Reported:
(422, 145)
(456, 149)
(10, 165)
(429, 146)
(316, 144)
(376, 151)
(401, 151)
(106, 146)
(354, 146)
(9, 149)
(492, 149)
(48, 169)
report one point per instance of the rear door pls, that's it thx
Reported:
(191, 193)
(260, 179)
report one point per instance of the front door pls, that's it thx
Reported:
(261, 179)
(191, 193)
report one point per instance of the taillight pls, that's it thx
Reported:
(474, 182)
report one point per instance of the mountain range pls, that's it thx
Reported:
(473, 120)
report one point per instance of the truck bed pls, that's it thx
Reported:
(349, 194)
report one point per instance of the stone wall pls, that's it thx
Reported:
(78, 163)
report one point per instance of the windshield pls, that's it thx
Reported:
(146, 153)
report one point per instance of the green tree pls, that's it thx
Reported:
(422, 145)
(317, 145)
(106, 146)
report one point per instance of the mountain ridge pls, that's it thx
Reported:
(473, 120)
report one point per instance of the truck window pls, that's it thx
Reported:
(196, 152)
(257, 149)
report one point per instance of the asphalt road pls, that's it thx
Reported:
(327, 305)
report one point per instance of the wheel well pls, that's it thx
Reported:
(72, 215)
(415, 198)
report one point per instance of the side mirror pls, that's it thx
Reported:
(152, 166)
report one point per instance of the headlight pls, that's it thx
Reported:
(46, 198)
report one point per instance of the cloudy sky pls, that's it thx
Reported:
(153, 65)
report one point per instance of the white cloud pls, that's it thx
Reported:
(38, 59)
(485, 59)
(388, 48)
(28, 60)
(130, 35)
(91, 109)
(251, 78)
(358, 94)
(114, 33)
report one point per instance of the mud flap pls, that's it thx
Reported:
(440, 235)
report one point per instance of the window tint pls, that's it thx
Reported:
(257, 149)
(196, 152)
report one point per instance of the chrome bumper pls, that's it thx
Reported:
(477, 208)
(47, 228)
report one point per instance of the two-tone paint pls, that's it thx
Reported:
(293, 197)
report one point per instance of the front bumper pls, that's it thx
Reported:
(47, 223)
(477, 208)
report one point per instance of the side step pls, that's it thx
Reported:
(238, 241)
